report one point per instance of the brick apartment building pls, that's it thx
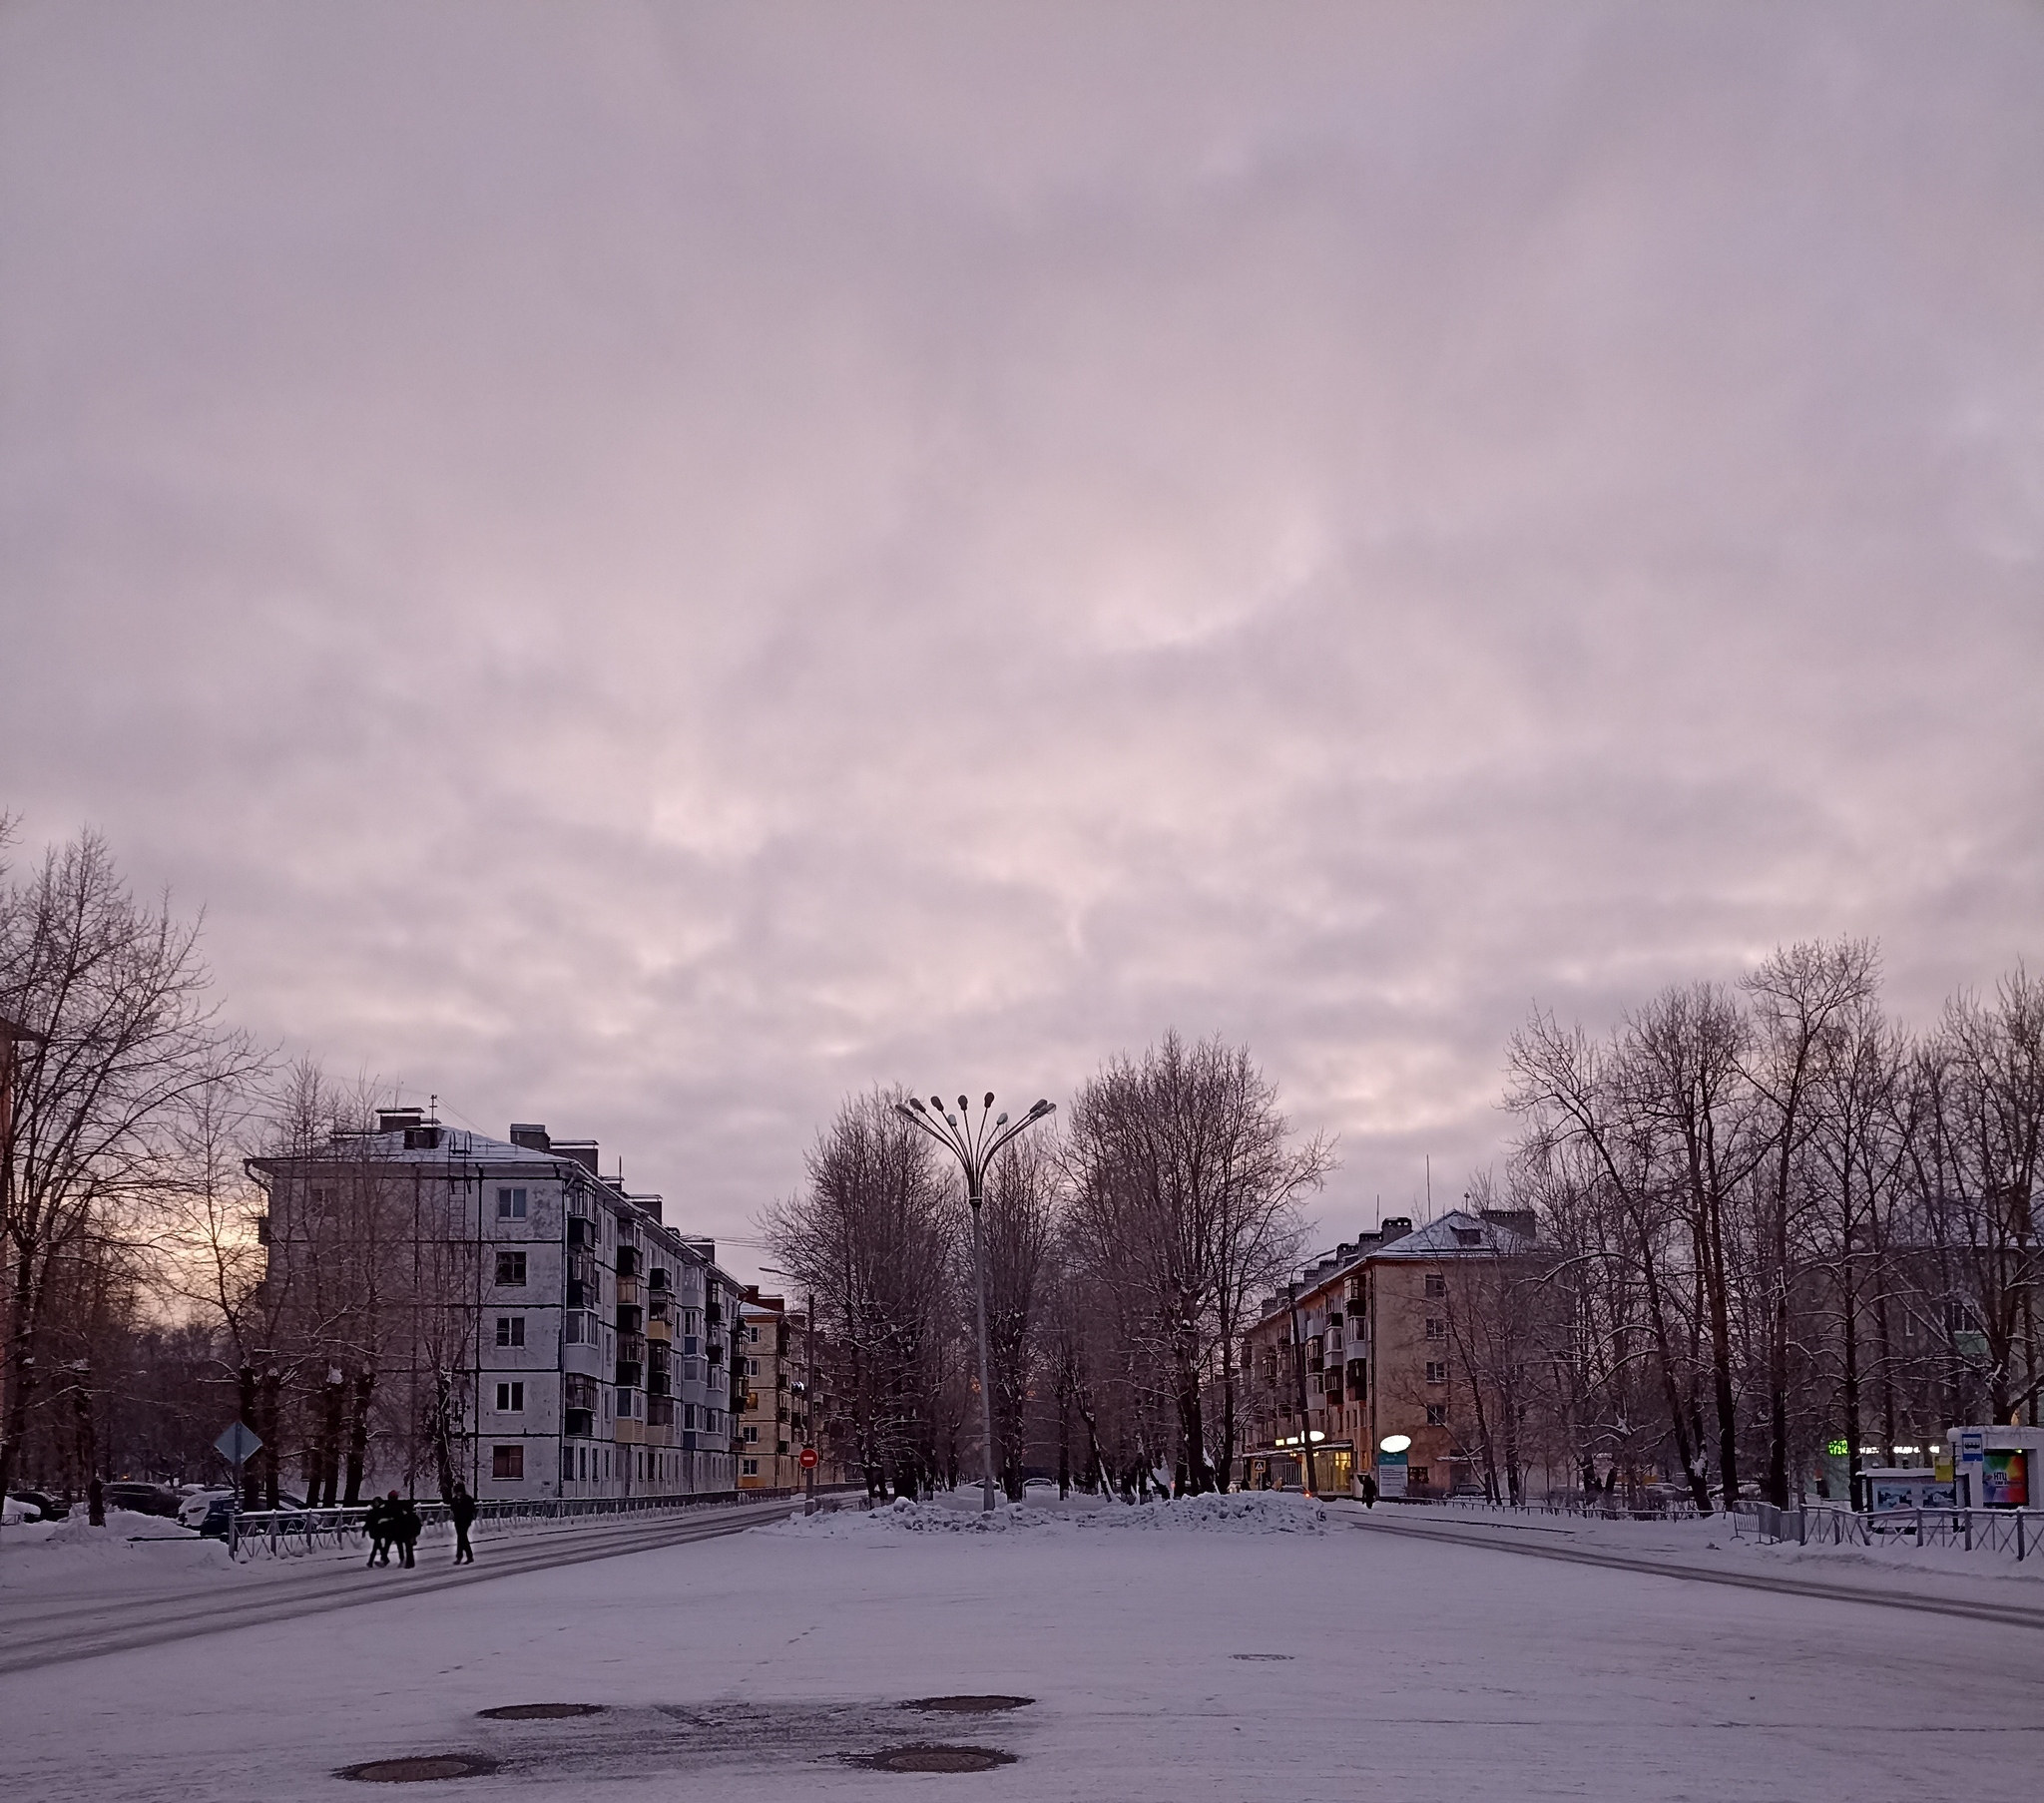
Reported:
(781, 1413)
(1373, 1321)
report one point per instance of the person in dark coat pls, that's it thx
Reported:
(409, 1525)
(1369, 1491)
(96, 1504)
(381, 1526)
(462, 1508)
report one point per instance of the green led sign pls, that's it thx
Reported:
(1837, 1449)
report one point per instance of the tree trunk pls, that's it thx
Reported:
(358, 1435)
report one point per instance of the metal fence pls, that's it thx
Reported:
(294, 1532)
(1597, 1508)
(1974, 1530)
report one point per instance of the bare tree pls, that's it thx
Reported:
(873, 1236)
(118, 997)
(1185, 1185)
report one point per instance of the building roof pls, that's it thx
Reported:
(1458, 1234)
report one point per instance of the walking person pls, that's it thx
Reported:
(409, 1525)
(1369, 1491)
(376, 1525)
(462, 1508)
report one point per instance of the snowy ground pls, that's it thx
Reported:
(1230, 1648)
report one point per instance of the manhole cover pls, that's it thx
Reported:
(539, 1711)
(423, 1770)
(969, 1706)
(1261, 1655)
(939, 1759)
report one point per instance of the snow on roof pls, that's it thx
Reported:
(1456, 1233)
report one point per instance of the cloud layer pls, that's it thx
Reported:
(654, 563)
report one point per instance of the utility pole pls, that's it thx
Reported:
(1309, 1476)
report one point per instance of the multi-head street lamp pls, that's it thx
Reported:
(975, 1144)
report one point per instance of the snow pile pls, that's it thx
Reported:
(35, 1553)
(1252, 1512)
(905, 1516)
(1249, 1514)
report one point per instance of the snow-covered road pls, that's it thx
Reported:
(1202, 1662)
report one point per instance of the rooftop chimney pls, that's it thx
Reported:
(530, 1135)
(583, 1151)
(395, 1121)
(1395, 1226)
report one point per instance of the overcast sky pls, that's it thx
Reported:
(652, 565)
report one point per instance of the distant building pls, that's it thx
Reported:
(519, 1321)
(781, 1415)
(1384, 1356)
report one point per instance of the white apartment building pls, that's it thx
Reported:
(526, 1316)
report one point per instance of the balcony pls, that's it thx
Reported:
(630, 1371)
(628, 1289)
(630, 1319)
(659, 1332)
(660, 1411)
(579, 1423)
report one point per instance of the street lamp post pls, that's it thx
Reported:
(975, 1144)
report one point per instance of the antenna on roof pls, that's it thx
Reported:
(433, 1109)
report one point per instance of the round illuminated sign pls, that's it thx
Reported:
(1394, 1442)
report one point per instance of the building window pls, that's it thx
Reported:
(510, 1205)
(567, 1465)
(511, 1268)
(1436, 1328)
(1417, 1477)
(752, 1436)
(1436, 1371)
(1437, 1284)
(1436, 1414)
(510, 1399)
(750, 1468)
(510, 1330)
(507, 1464)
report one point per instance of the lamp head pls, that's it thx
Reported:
(1001, 1120)
(989, 1098)
(965, 1106)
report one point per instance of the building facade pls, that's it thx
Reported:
(1377, 1342)
(508, 1316)
(786, 1397)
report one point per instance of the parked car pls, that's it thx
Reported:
(194, 1508)
(46, 1509)
(212, 1521)
(143, 1499)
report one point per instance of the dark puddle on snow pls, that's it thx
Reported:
(421, 1768)
(966, 1705)
(540, 1712)
(1274, 1656)
(924, 1757)
(584, 1742)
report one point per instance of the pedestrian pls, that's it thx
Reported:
(1369, 1491)
(462, 1508)
(96, 1504)
(381, 1526)
(409, 1525)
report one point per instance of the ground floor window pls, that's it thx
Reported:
(748, 1467)
(507, 1463)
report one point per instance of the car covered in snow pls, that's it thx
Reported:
(33, 1506)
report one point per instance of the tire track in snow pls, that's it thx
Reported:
(118, 1624)
(2008, 1615)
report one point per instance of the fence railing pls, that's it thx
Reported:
(294, 1532)
(2014, 1530)
(1598, 1508)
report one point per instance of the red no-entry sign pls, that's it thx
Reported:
(808, 1460)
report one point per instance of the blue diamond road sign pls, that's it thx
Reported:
(237, 1444)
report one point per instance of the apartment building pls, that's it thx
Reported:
(782, 1412)
(522, 1321)
(1364, 1349)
